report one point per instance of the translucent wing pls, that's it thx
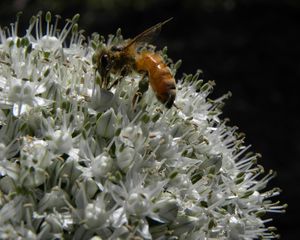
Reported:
(147, 35)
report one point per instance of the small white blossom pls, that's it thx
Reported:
(23, 96)
(49, 44)
(101, 165)
(61, 142)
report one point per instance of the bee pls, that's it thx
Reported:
(130, 55)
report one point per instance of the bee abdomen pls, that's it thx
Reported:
(160, 77)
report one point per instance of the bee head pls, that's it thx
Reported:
(107, 58)
(102, 61)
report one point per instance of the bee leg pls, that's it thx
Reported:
(143, 87)
(106, 80)
(115, 82)
(101, 80)
(123, 72)
(176, 106)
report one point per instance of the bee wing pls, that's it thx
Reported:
(148, 35)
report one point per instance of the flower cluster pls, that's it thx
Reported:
(79, 161)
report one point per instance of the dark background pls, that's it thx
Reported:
(251, 48)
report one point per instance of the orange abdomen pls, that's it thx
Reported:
(160, 77)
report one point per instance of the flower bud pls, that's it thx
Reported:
(101, 165)
(106, 124)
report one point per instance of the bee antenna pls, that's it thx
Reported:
(176, 106)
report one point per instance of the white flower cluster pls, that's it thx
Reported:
(80, 162)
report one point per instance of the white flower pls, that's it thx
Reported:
(101, 165)
(61, 142)
(85, 161)
(23, 95)
(106, 124)
(49, 44)
(95, 214)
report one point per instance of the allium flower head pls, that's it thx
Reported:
(83, 161)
